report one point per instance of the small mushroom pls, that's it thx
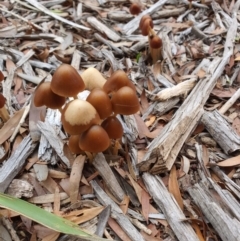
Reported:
(155, 44)
(73, 144)
(45, 96)
(95, 139)
(79, 115)
(113, 127)
(66, 81)
(116, 81)
(93, 78)
(146, 25)
(135, 9)
(125, 101)
(3, 111)
(101, 102)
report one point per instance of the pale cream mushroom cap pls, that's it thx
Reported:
(93, 79)
(78, 116)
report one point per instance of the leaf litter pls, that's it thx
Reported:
(183, 143)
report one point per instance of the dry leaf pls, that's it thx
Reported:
(117, 229)
(143, 130)
(124, 204)
(174, 187)
(145, 204)
(234, 161)
(84, 215)
(9, 127)
(224, 93)
(51, 237)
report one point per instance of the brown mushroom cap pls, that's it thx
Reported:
(144, 17)
(73, 144)
(125, 101)
(135, 9)
(101, 102)
(2, 101)
(45, 96)
(146, 25)
(95, 139)
(116, 81)
(66, 81)
(78, 116)
(155, 42)
(113, 127)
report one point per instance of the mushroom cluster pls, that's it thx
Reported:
(146, 27)
(155, 42)
(91, 123)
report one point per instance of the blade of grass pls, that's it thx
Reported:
(43, 217)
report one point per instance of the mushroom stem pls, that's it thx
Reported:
(75, 97)
(155, 52)
(60, 110)
(190, 4)
(4, 114)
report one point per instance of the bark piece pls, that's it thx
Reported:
(15, 163)
(103, 29)
(221, 131)
(102, 222)
(50, 133)
(106, 173)
(169, 207)
(226, 226)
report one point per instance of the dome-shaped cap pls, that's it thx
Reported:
(93, 78)
(101, 102)
(78, 116)
(73, 144)
(125, 101)
(135, 9)
(155, 42)
(95, 139)
(116, 81)
(113, 127)
(66, 81)
(144, 17)
(147, 24)
(45, 96)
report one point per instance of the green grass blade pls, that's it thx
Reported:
(43, 217)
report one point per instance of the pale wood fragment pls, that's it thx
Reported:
(57, 144)
(230, 102)
(226, 226)
(170, 208)
(221, 131)
(164, 149)
(39, 6)
(99, 26)
(41, 172)
(102, 221)
(106, 173)
(14, 164)
(20, 188)
(115, 49)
